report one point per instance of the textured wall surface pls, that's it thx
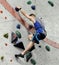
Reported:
(8, 23)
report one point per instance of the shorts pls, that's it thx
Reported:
(37, 37)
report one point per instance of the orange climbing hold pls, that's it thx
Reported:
(11, 60)
(6, 44)
(5, 17)
(1, 11)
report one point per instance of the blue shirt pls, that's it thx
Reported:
(39, 26)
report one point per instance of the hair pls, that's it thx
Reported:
(31, 26)
(32, 15)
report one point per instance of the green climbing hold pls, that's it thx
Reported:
(33, 61)
(2, 58)
(18, 34)
(6, 35)
(29, 2)
(51, 3)
(47, 48)
(28, 56)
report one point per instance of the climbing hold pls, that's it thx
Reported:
(2, 58)
(6, 44)
(51, 3)
(1, 11)
(14, 38)
(33, 7)
(32, 48)
(33, 61)
(28, 56)
(40, 46)
(47, 48)
(29, 2)
(20, 45)
(6, 35)
(18, 34)
(5, 17)
(18, 26)
(11, 60)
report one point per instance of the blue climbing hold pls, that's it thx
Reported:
(18, 26)
(17, 9)
(33, 7)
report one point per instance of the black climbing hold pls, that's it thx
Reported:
(14, 38)
(20, 45)
(47, 48)
(33, 7)
(32, 48)
(18, 26)
(29, 2)
(28, 56)
(18, 34)
(33, 61)
(51, 3)
(6, 35)
(40, 46)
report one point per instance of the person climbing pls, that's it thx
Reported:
(40, 32)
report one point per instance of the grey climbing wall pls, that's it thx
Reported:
(46, 55)
(50, 17)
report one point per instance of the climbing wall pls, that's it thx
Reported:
(48, 10)
(43, 54)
